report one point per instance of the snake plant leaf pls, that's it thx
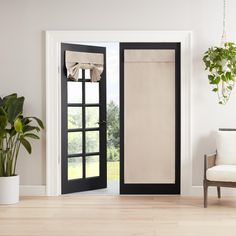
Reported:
(18, 125)
(26, 144)
(15, 109)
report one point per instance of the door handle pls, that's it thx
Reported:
(102, 122)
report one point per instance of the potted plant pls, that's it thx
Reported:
(15, 132)
(220, 62)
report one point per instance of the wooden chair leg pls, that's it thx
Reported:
(205, 194)
(218, 192)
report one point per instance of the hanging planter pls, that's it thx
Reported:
(220, 62)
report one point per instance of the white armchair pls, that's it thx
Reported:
(220, 167)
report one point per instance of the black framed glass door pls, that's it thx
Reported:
(150, 118)
(83, 126)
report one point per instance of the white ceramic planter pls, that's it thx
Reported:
(9, 189)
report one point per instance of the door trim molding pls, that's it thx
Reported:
(53, 94)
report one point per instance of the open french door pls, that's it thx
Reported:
(83, 126)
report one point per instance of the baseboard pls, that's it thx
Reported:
(32, 190)
(198, 191)
(40, 190)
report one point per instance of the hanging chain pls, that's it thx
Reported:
(223, 38)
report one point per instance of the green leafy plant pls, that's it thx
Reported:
(220, 62)
(15, 131)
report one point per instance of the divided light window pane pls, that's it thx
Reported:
(92, 166)
(92, 141)
(91, 92)
(87, 74)
(74, 117)
(74, 142)
(75, 168)
(92, 117)
(74, 92)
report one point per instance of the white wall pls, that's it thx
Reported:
(22, 57)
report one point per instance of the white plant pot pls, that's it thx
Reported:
(9, 189)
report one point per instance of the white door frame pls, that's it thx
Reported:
(53, 94)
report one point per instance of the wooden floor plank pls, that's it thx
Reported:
(118, 216)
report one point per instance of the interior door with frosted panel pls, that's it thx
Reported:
(83, 106)
(150, 118)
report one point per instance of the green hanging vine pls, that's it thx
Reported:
(220, 62)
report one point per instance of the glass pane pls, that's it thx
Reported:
(92, 166)
(92, 117)
(91, 92)
(75, 168)
(74, 117)
(80, 73)
(74, 142)
(87, 74)
(92, 141)
(74, 91)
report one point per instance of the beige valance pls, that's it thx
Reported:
(158, 55)
(84, 60)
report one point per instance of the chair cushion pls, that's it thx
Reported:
(224, 173)
(226, 148)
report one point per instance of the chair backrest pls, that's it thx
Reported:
(226, 147)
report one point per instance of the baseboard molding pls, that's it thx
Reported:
(32, 190)
(40, 190)
(198, 191)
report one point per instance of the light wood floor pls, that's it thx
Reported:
(118, 216)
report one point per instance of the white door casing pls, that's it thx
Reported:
(53, 94)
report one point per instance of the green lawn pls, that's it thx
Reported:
(113, 168)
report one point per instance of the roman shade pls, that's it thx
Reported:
(84, 60)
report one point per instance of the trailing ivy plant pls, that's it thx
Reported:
(220, 62)
(16, 130)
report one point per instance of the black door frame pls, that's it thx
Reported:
(90, 183)
(152, 188)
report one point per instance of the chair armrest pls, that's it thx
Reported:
(209, 161)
